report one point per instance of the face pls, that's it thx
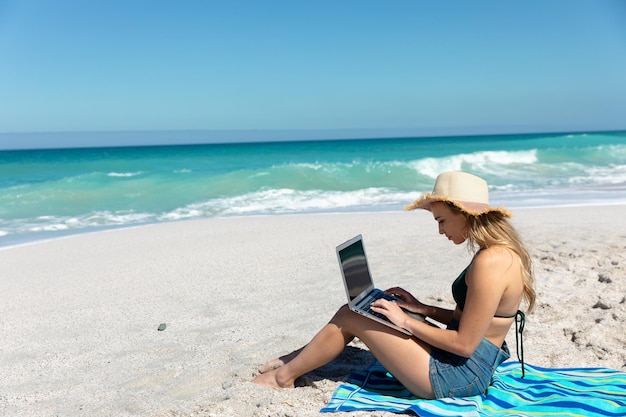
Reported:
(451, 223)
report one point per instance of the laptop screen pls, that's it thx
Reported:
(355, 270)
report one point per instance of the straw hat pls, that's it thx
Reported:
(466, 191)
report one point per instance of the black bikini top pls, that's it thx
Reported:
(459, 293)
(459, 289)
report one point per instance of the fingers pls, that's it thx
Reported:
(402, 294)
(383, 304)
(380, 303)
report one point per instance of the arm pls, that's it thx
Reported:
(487, 280)
(412, 304)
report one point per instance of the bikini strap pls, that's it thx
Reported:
(520, 321)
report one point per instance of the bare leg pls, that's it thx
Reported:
(324, 347)
(406, 358)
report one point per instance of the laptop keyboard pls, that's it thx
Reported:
(368, 307)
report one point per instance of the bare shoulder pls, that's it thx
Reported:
(495, 260)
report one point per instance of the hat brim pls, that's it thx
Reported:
(472, 208)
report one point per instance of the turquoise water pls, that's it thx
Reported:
(49, 193)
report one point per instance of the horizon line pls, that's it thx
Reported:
(234, 136)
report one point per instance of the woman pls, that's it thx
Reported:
(435, 362)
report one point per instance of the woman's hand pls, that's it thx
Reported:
(391, 310)
(406, 300)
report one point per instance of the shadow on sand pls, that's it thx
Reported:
(352, 358)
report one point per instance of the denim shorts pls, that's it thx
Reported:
(455, 376)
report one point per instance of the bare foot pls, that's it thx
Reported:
(278, 362)
(271, 365)
(268, 379)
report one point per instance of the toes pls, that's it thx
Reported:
(270, 366)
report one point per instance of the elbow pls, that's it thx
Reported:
(464, 349)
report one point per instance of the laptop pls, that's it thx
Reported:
(360, 285)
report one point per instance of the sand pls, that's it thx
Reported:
(79, 316)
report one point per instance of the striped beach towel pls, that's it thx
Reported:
(542, 392)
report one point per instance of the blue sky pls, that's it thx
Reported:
(260, 69)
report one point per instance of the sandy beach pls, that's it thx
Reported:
(79, 316)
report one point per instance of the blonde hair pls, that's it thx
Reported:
(493, 228)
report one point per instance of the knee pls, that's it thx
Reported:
(342, 314)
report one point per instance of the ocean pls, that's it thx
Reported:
(53, 193)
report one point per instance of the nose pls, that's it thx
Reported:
(441, 232)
